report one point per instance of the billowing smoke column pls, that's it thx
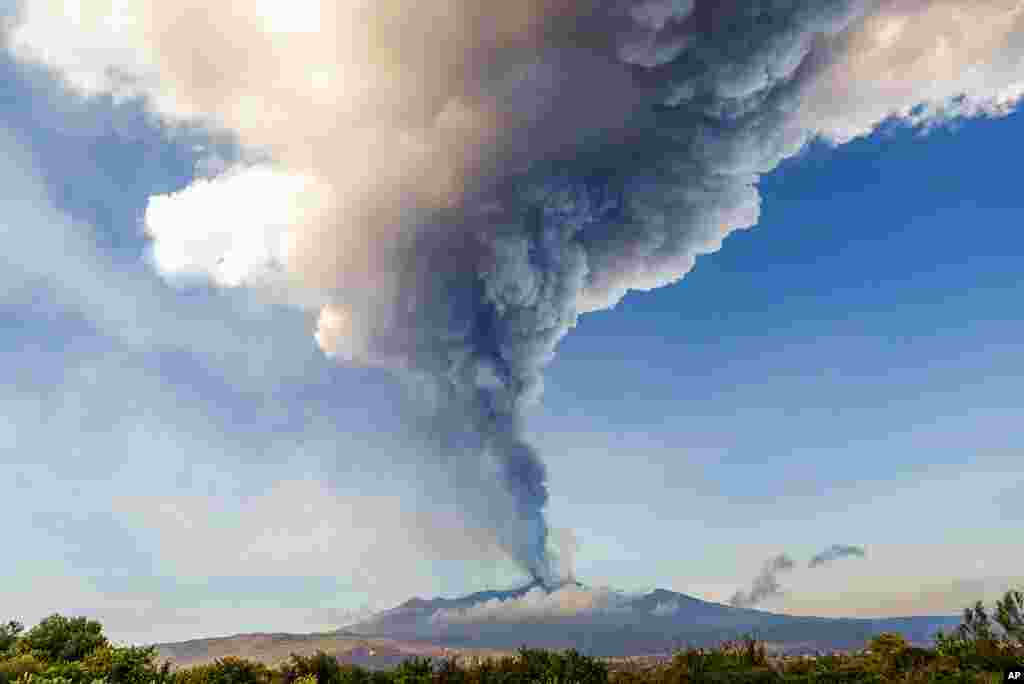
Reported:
(452, 182)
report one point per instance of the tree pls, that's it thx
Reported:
(976, 625)
(62, 639)
(228, 670)
(413, 671)
(888, 644)
(449, 672)
(1010, 615)
(126, 665)
(9, 634)
(323, 667)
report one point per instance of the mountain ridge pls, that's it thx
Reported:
(626, 624)
(651, 623)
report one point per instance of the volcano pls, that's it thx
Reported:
(597, 622)
(610, 623)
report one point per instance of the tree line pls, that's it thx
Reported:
(74, 650)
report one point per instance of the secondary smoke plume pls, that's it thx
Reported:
(766, 584)
(835, 552)
(566, 544)
(448, 184)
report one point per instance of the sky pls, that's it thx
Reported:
(185, 457)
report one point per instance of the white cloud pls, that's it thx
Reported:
(48, 251)
(235, 229)
(923, 61)
(304, 527)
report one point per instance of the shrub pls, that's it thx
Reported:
(49, 679)
(887, 645)
(58, 638)
(322, 667)
(13, 669)
(9, 634)
(1010, 616)
(126, 665)
(536, 665)
(229, 670)
(413, 671)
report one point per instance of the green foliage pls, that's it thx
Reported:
(47, 679)
(67, 671)
(322, 667)
(413, 671)
(14, 668)
(73, 651)
(977, 626)
(951, 645)
(745, 660)
(126, 665)
(887, 645)
(59, 638)
(1010, 615)
(449, 672)
(9, 634)
(975, 647)
(229, 670)
(535, 665)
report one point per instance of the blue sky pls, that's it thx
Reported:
(833, 372)
(183, 462)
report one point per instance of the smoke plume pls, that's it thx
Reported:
(567, 544)
(766, 584)
(835, 552)
(447, 185)
(568, 600)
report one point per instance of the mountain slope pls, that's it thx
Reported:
(618, 624)
(274, 649)
(611, 624)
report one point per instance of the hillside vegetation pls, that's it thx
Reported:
(63, 650)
